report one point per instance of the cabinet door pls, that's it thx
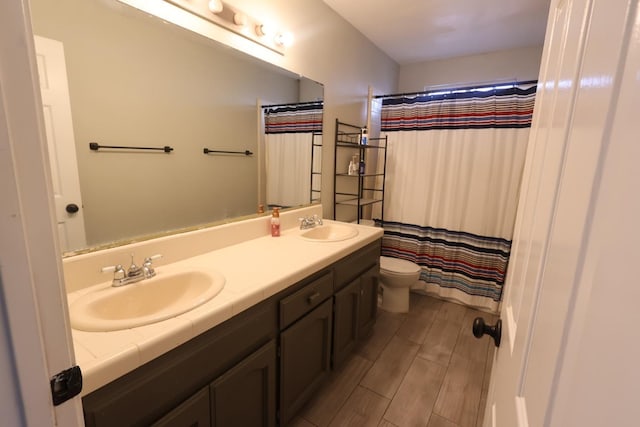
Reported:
(246, 394)
(368, 301)
(346, 311)
(194, 412)
(304, 359)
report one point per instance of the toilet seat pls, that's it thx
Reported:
(398, 267)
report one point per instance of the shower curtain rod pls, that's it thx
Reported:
(453, 88)
(293, 104)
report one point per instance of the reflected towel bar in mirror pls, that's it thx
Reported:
(95, 147)
(245, 152)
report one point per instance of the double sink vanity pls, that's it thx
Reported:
(235, 328)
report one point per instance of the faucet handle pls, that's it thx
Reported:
(147, 267)
(115, 269)
(152, 258)
(119, 275)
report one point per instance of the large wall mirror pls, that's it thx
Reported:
(135, 80)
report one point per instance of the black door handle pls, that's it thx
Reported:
(72, 208)
(480, 328)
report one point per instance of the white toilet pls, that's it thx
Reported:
(396, 277)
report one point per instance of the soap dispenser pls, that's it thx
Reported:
(275, 222)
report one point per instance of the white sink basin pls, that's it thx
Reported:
(330, 233)
(149, 301)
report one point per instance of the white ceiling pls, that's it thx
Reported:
(411, 31)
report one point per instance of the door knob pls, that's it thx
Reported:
(72, 208)
(480, 328)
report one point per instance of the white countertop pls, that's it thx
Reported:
(254, 270)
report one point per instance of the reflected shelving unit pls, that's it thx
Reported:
(316, 167)
(362, 194)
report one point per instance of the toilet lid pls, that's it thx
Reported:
(398, 266)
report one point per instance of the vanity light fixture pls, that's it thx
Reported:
(216, 6)
(230, 18)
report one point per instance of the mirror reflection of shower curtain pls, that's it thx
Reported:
(288, 167)
(289, 139)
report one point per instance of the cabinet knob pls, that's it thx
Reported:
(313, 297)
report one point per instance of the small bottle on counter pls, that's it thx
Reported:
(275, 222)
(260, 209)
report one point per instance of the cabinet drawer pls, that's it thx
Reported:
(301, 302)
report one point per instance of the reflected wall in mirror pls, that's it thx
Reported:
(135, 80)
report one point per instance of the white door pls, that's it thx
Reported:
(62, 151)
(576, 106)
(34, 305)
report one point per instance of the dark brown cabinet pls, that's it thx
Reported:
(246, 394)
(195, 412)
(155, 389)
(346, 311)
(273, 355)
(355, 300)
(368, 308)
(305, 341)
(243, 396)
(355, 309)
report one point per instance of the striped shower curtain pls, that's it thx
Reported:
(454, 164)
(288, 152)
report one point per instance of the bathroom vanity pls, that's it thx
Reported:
(260, 365)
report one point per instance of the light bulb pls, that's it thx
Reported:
(284, 39)
(240, 19)
(216, 6)
(264, 30)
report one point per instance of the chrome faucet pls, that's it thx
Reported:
(134, 273)
(309, 221)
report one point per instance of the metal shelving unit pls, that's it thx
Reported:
(364, 189)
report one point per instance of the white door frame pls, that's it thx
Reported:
(33, 294)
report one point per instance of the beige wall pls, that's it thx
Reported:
(506, 65)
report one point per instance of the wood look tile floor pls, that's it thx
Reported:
(424, 368)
